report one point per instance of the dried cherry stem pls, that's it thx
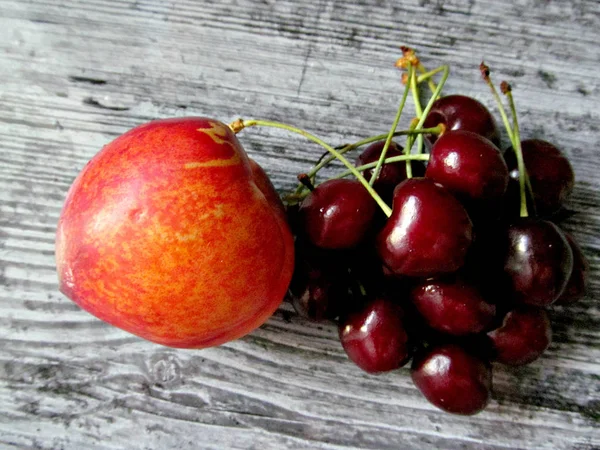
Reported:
(485, 73)
(507, 90)
(409, 58)
(306, 181)
(388, 140)
(267, 123)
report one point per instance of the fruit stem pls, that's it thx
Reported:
(427, 76)
(391, 159)
(415, 91)
(306, 181)
(388, 140)
(507, 90)
(409, 142)
(267, 123)
(485, 73)
(348, 147)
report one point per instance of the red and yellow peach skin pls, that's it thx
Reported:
(172, 233)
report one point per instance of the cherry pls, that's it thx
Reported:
(577, 284)
(453, 379)
(428, 233)
(484, 265)
(375, 337)
(523, 336)
(549, 171)
(391, 174)
(538, 261)
(337, 214)
(319, 286)
(468, 165)
(459, 112)
(452, 306)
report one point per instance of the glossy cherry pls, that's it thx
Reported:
(538, 261)
(459, 112)
(550, 172)
(452, 306)
(319, 286)
(337, 214)
(577, 285)
(453, 379)
(375, 337)
(391, 174)
(468, 165)
(523, 336)
(428, 233)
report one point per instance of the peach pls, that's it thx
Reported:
(173, 234)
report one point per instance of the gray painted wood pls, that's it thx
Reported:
(76, 73)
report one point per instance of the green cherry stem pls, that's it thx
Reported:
(348, 147)
(427, 76)
(390, 160)
(267, 123)
(414, 86)
(485, 73)
(390, 135)
(507, 90)
(412, 76)
(445, 72)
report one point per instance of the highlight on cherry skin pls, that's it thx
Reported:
(375, 337)
(460, 112)
(337, 214)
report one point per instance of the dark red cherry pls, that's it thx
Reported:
(458, 112)
(391, 174)
(319, 286)
(468, 165)
(550, 172)
(453, 379)
(452, 306)
(577, 284)
(337, 214)
(428, 233)
(523, 336)
(375, 336)
(538, 261)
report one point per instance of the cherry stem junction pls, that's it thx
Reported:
(409, 142)
(267, 123)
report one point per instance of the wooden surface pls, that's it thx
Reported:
(76, 73)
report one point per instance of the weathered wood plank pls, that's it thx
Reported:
(76, 73)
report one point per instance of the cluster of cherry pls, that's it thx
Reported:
(457, 273)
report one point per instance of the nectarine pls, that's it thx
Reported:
(172, 233)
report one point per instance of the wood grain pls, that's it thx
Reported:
(76, 73)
